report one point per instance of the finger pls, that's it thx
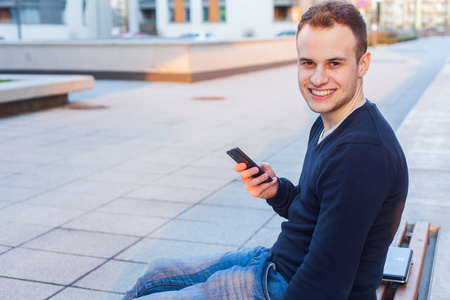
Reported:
(267, 168)
(258, 191)
(256, 181)
(240, 167)
(249, 173)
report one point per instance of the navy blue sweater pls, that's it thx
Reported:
(344, 212)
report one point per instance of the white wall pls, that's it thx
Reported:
(134, 16)
(159, 57)
(242, 17)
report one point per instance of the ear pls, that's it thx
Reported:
(364, 64)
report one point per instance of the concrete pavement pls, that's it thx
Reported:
(91, 192)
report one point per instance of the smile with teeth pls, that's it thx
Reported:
(321, 92)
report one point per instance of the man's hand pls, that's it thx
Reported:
(255, 186)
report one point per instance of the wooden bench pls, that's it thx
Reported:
(418, 242)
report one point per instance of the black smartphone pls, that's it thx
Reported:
(397, 265)
(240, 157)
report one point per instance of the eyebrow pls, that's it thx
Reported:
(337, 59)
(304, 59)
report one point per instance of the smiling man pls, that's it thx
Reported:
(344, 212)
(345, 209)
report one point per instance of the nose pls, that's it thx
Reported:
(319, 77)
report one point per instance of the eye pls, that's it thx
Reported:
(307, 63)
(334, 63)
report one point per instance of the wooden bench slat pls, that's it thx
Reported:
(400, 234)
(418, 243)
(396, 242)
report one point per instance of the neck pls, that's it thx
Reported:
(330, 120)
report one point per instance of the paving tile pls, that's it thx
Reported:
(265, 237)
(429, 184)
(67, 148)
(210, 172)
(37, 181)
(5, 175)
(439, 286)
(81, 243)
(218, 158)
(198, 142)
(219, 135)
(88, 162)
(38, 215)
(114, 276)
(11, 166)
(16, 194)
(434, 212)
(146, 167)
(94, 139)
(275, 222)
(69, 200)
(80, 293)
(148, 249)
(57, 169)
(45, 266)
(123, 177)
(4, 204)
(431, 160)
(98, 187)
(23, 154)
(111, 154)
(168, 193)
(116, 223)
(192, 182)
(236, 199)
(205, 232)
(141, 207)
(167, 155)
(234, 186)
(26, 290)
(15, 234)
(227, 215)
(4, 249)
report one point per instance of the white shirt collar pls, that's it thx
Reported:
(324, 134)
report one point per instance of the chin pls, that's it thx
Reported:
(319, 106)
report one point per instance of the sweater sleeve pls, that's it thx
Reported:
(286, 190)
(283, 199)
(352, 184)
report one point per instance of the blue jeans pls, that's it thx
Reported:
(242, 274)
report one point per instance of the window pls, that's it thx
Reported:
(148, 12)
(286, 11)
(5, 15)
(30, 15)
(33, 11)
(52, 11)
(214, 11)
(280, 13)
(120, 16)
(179, 11)
(84, 13)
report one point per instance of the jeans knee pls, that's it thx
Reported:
(162, 267)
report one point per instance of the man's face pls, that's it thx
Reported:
(330, 78)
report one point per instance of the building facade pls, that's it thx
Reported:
(224, 19)
(415, 15)
(87, 19)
